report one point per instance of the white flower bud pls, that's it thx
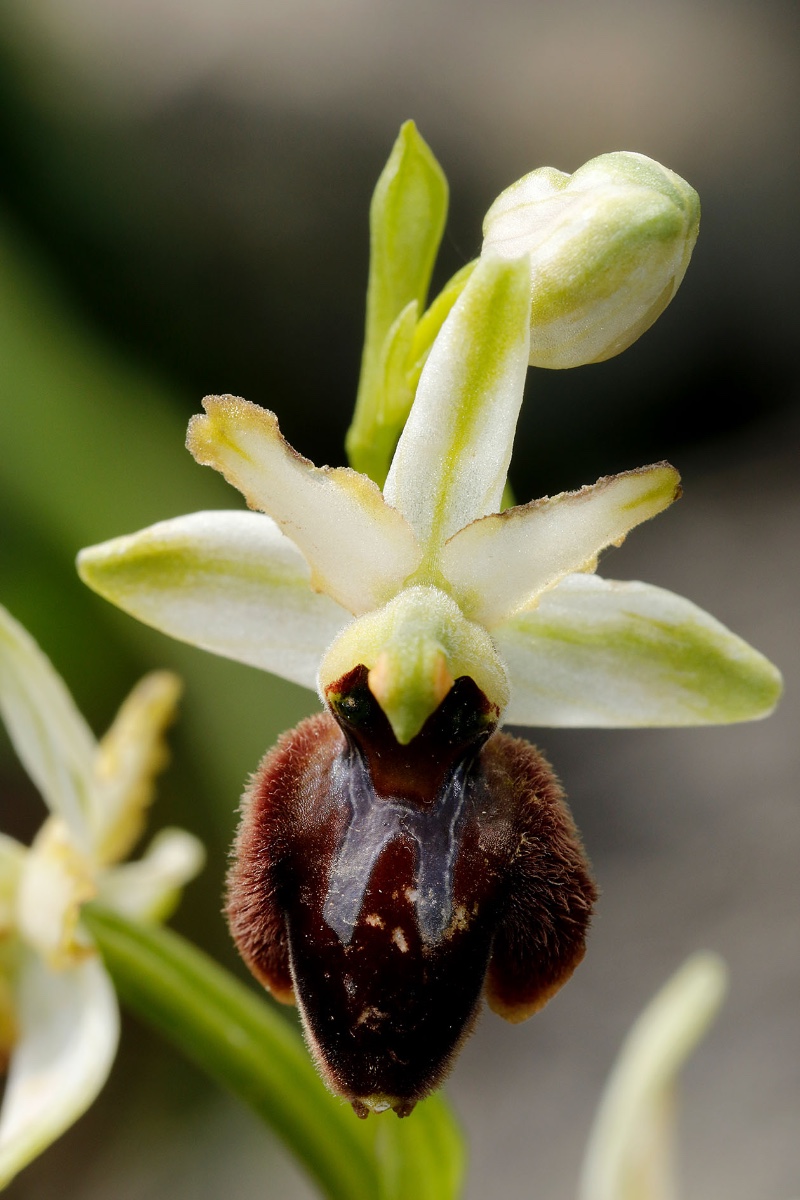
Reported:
(608, 246)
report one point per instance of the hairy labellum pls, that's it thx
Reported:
(385, 888)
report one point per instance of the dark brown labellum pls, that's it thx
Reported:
(385, 888)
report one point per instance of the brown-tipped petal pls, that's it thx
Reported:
(359, 549)
(505, 561)
(256, 920)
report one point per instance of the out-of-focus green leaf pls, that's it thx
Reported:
(77, 421)
(423, 1157)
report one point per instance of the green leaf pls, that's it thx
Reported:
(242, 1042)
(407, 217)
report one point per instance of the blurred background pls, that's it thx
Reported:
(183, 210)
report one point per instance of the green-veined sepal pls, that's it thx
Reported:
(597, 653)
(54, 743)
(229, 582)
(427, 328)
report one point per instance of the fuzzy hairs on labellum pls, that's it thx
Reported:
(385, 889)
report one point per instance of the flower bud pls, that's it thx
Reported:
(608, 247)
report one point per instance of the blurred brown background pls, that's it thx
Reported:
(183, 208)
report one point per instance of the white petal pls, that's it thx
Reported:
(54, 743)
(451, 461)
(147, 890)
(359, 549)
(128, 759)
(229, 582)
(629, 1156)
(68, 1033)
(56, 879)
(12, 862)
(600, 653)
(501, 563)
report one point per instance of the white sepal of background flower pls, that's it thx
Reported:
(59, 1022)
(441, 584)
(630, 1155)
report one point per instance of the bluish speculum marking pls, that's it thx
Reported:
(373, 823)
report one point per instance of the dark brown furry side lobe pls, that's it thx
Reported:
(386, 905)
(541, 937)
(264, 842)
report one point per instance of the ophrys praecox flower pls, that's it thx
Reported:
(399, 856)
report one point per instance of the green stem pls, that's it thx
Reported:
(242, 1043)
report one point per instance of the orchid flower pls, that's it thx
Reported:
(398, 858)
(59, 1022)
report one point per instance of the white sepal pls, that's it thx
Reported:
(359, 549)
(452, 459)
(503, 562)
(56, 879)
(54, 743)
(597, 653)
(68, 1034)
(229, 582)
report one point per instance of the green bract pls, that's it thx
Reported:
(608, 249)
(428, 580)
(58, 1015)
(407, 218)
